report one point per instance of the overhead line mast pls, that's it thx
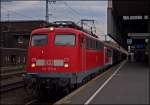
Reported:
(47, 11)
(92, 28)
(47, 17)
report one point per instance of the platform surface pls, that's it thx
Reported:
(127, 83)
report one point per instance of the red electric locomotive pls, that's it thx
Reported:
(64, 56)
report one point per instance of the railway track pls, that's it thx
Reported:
(9, 75)
(11, 78)
(11, 69)
(45, 101)
(7, 72)
(11, 86)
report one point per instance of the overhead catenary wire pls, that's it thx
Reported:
(17, 13)
(66, 16)
(76, 12)
(55, 16)
(80, 15)
(55, 11)
(98, 22)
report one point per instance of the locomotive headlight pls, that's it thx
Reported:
(51, 28)
(66, 65)
(33, 65)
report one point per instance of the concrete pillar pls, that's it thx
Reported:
(109, 21)
(111, 27)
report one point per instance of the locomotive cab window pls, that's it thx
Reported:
(39, 40)
(65, 40)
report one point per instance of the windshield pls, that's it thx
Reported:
(67, 40)
(39, 40)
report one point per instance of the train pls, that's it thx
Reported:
(64, 55)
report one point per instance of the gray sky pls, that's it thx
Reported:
(61, 10)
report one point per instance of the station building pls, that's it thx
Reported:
(14, 40)
(129, 25)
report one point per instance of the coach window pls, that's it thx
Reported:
(109, 53)
(95, 44)
(20, 39)
(80, 40)
(99, 46)
(90, 43)
(39, 40)
(65, 40)
(87, 42)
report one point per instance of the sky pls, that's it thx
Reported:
(60, 10)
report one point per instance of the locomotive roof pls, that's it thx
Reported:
(71, 24)
(47, 30)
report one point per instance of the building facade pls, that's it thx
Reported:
(14, 40)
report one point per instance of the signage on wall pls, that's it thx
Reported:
(140, 46)
(145, 17)
(129, 41)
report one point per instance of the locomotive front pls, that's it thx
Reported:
(52, 57)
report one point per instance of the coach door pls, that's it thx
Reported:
(107, 56)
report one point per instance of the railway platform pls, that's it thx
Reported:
(126, 83)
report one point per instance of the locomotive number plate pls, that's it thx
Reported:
(40, 62)
(58, 63)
